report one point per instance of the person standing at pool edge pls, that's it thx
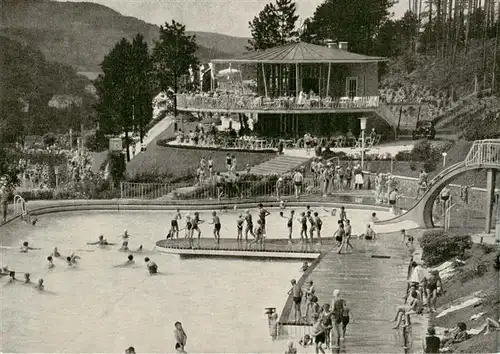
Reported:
(217, 226)
(263, 213)
(296, 293)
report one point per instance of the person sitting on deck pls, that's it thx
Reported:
(432, 343)
(291, 348)
(459, 334)
(306, 341)
(405, 310)
(304, 267)
(369, 233)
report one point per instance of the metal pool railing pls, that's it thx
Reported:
(208, 190)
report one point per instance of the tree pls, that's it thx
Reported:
(173, 55)
(142, 87)
(115, 91)
(357, 22)
(274, 26)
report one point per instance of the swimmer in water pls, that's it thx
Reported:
(282, 204)
(332, 212)
(152, 267)
(101, 242)
(27, 278)
(239, 227)
(304, 267)
(69, 262)
(125, 235)
(12, 277)
(374, 217)
(40, 286)
(51, 264)
(25, 247)
(56, 253)
(130, 261)
(124, 247)
(5, 271)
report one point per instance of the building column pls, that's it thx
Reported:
(491, 175)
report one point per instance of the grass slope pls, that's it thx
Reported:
(178, 163)
(464, 284)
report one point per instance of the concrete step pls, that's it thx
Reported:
(280, 164)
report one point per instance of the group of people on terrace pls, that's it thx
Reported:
(236, 99)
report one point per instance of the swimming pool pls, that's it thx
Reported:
(98, 308)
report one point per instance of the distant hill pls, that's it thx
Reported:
(26, 76)
(80, 34)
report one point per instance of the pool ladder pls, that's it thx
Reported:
(293, 331)
(20, 206)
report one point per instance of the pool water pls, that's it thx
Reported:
(96, 307)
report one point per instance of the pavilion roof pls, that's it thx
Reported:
(301, 52)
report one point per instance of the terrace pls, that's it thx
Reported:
(297, 78)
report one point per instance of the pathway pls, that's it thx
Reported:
(152, 134)
(372, 287)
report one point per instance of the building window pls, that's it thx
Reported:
(351, 89)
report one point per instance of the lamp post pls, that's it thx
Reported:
(56, 172)
(444, 159)
(362, 123)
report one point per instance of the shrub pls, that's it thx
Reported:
(403, 156)
(117, 167)
(49, 139)
(439, 246)
(96, 142)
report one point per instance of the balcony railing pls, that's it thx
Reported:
(234, 102)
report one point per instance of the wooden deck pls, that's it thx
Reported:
(372, 280)
(272, 248)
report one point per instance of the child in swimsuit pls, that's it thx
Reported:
(196, 220)
(239, 227)
(289, 224)
(51, 264)
(259, 234)
(303, 223)
(408, 238)
(312, 223)
(217, 226)
(318, 223)
(249, 228)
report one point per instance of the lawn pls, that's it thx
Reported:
(178, 162)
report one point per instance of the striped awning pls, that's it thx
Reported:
(301, 52)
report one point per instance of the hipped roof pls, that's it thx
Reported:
(301, 52)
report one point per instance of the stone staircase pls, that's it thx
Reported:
(280, 164)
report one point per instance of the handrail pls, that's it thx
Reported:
(20, 206)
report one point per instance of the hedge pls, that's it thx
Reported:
(439, 246)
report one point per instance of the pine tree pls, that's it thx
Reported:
(274, 26)
(173, 54)
(357, 22)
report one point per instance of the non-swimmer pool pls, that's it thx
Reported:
(98, 308)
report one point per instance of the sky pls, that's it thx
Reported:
(229, 17)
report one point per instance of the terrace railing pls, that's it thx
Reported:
(249, 103)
